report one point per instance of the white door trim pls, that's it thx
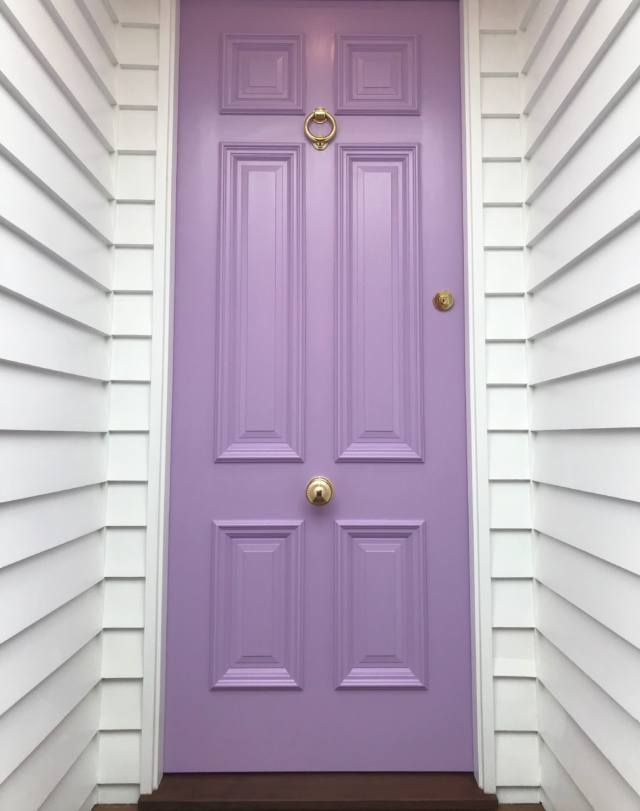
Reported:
(161, 364)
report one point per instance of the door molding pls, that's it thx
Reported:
(160, 426)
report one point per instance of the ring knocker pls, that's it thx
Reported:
(319, 116)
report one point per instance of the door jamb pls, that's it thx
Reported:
(160, 426)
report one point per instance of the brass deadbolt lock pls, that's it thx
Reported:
(319, 491)
(443, 300)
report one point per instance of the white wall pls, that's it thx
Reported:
(80, 130)
(581, 95)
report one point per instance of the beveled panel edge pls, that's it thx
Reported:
(278, 450)
(344, 107)
(296, 107)
(346, 448)
(278, 678)
(347, 677)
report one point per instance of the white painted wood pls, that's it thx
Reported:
(138, 47)
(127, 505)
(34, 275)
(38, 155)
(33, 655)
(125, 552)
(559, 787)
(515, 705)
(502, 181)
(132, 314)
(77, 787)
(35, 88)
(517, 758)
(136, 178)
(134, 225)
(506, 364)
(122, 652)
(62, 62)
(507, 409)
(501, 139)
(611, 729)
(133, 270)
(504, 271)
(129, 407)
(118, 794)
(512, 604)
(28, 723)
(509, 456)
(603, 462)
(605, 527)
(35, 401)
(505, 318)
(138, 88)
(600, 277)
(34, 588)
(503, 227)
(511, 554)
(131, 359)
(102, 25)
(499, 55)
(32, 782)
(517, 795)
(596, 777)
(137, 132)
(592, 41)
(121, 704)
(498, 16)
(611, 662)
(128, 457)
(572, 573)
(514, 654)
(500, 96)
(82, 38)
(602, 337)
(124, 603)
(28, 527)
(119, 757)
(604, 398)
(537, 31)
(510, 505)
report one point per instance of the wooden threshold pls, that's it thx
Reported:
(318, 791)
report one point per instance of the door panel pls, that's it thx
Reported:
(306, 638)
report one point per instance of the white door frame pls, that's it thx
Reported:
(161, 365)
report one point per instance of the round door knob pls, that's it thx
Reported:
(319, 491)
(443, 300)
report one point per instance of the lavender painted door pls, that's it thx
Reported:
(301, 637)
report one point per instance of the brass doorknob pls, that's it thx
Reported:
(443, 300)
(319, 491)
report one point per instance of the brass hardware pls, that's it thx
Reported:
(319, 116)
(443, 300)
(319, 491)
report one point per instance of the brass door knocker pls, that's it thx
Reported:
(319, 116)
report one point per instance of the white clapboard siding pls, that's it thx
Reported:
(102, 25)
(57, 225)
(581, 141)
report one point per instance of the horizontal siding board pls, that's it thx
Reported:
(136, 178)
(26, 78)
(122, 653)
(76, 789)
(134, 225)
(134, 13)
(605, 657)
(603, 591)
(124, 603)
(34, 780)
(590, 770)
(127, 505)
(34, 400)
(600, 277)
(602, 462)
(82, 37)
(605, 527)
(138, 88)
(602, 337)
(31, 526)
(510, 505)
(132, 314)
(537, 31)
(25, 209)
(24, 142)
(517, 762)
(34, 588)
(33, 655)
(128, 457)
(37, 464)
(604, 398)
(137, 132)
(559, 787)
(35, 337)
(511, 554)
(121, 704)
(612, 730)
(138, 47)
(504, 272)
(125, 552)
(514, 652)
(129, 407)
(119, 757)
(515, 705)
(36, 276)
(102, 25)
(506, 364)
(47, 41)
(131, 359)
(509, 455)
(29, 722)
(512, 603)
(133, 270)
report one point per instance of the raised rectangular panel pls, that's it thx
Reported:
(377, 75)
(257, 605)
(262, 73)
(260, 381)
(379, 405)
(381, 621)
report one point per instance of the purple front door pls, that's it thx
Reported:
(304, 637)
